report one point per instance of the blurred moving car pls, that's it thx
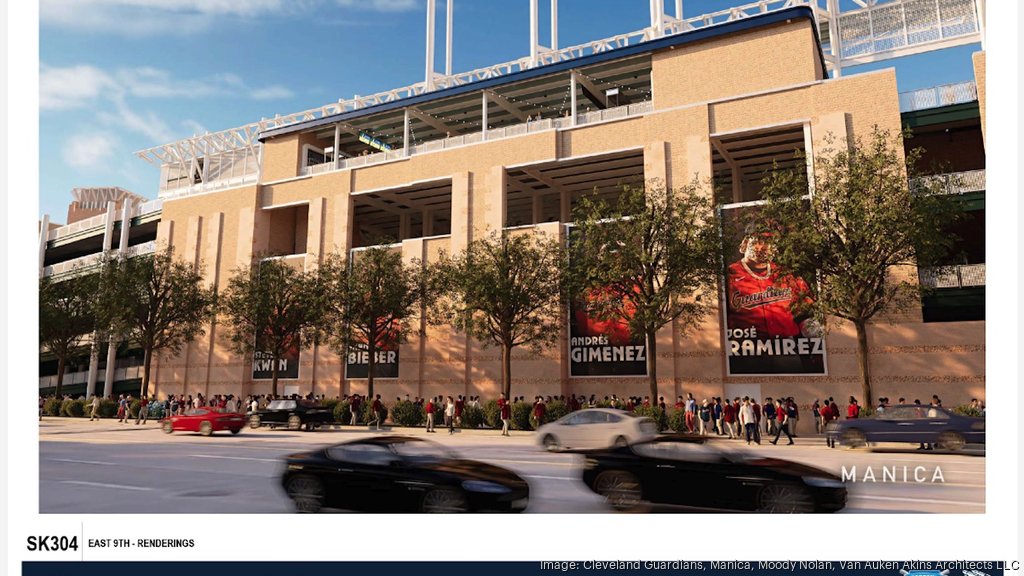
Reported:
(686, 472)
(295, 414)
(206, 421)
(399, 474)
(912, 423)
(596, 428)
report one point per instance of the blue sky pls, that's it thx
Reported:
(117, 76)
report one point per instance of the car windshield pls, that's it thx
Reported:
(422, 451)
(282, 405)
(196, 412)
(688, 451)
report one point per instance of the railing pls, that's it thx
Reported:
(171, 193)
(954, 182)
(531, 127)
(149, 207)
(938, 96)
(297, 261)
(85, 263)
(97, 221)
(72, 378)
(960, 276)
(141, 249)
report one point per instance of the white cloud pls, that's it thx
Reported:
(65, 88)
(148, 124)
(380, 5)
(88, 150)
(148, 17)
(275, 92)
(194, 127)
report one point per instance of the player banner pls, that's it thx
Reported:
(600, 347)
(768, 327)
(263, 364)
(357, 362)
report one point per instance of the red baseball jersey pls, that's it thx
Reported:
(764, 304)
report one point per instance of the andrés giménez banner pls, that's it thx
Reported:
(768, 330)
(602, 347)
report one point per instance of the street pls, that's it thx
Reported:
(107, 467)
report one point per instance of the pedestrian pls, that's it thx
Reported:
(792, 415)
(506, 417)
(459, 407)
(449, 415)
(120, 408)
(95, 414)
(783, 427)
(729, 419)
(769, 415)
(717, 411)
(539, 409)
(748, 420)
(757, 419)
(430, 414)
(375, 409)
(816, 411)
(827, 416)
(690, 417)
(143, 410)
(853, 410)
(705, 418)
(353, 408)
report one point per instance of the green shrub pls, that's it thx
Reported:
(967, 410)
(492, 414)
(156, 410)
(866, 412)
(341, 413)
(364, 411)
(51, 407)
(472, 416)
(406, 413)
(133, 408)
(677, 420)
(330, 403)
(604, 404)
(72, 408)
(108, 408)
(555, 410)
(521, 413)
(653, 413)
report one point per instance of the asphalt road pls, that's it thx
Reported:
(106, 467)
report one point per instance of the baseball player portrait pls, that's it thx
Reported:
(769, 330)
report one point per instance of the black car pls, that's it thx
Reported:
(399, 474)
(692, 473)
(911, 423)
(295, 414)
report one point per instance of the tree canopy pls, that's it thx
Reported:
(66, 317)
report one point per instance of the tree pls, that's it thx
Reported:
(66, 317)
(270, 308)
(155, 301)
(649, 258)
(505, 290)
(372, 298)
(861, 224)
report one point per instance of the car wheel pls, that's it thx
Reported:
(236, 430)
(445, 501)
(620, 489)
(621, 442)
(551, 443)
(950, 440)
(167, 427)
(784, 498)
(294, 422)
(254, 421)
(854, 438)
(306, 492)
(206, 428)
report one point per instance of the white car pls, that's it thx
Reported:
(596, 428)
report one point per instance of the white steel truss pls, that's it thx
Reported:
(877, 30)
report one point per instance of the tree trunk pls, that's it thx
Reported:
(147, 361)
(273, 376)
(652, 365)
(506, 370)
(371, 363)
(862, 361)
(60, 376)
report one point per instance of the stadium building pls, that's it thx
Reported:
(721, 97)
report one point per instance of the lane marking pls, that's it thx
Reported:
(922, 500)
(233, 458)
(102, 485)
(539, 477)
(80, 461)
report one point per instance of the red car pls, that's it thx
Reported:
(206, 421)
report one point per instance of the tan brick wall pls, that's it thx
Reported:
(979, 79)
(909, 358)
(763, 59)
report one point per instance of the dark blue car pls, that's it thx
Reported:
(911, 423)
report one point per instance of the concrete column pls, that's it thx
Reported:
(108, 227)
(428, 222)
(44, 233)
(462, 221)
(564, 207)
(337, 142)
(404, 227)
(484, 121)
(341, 240)
(494, 213)
(656, 163)
(572, 95)
(412, 353)
(315, 233)
(94, 367)
(126, 222)
(406, 129)
(108, 374)
(538, 209)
